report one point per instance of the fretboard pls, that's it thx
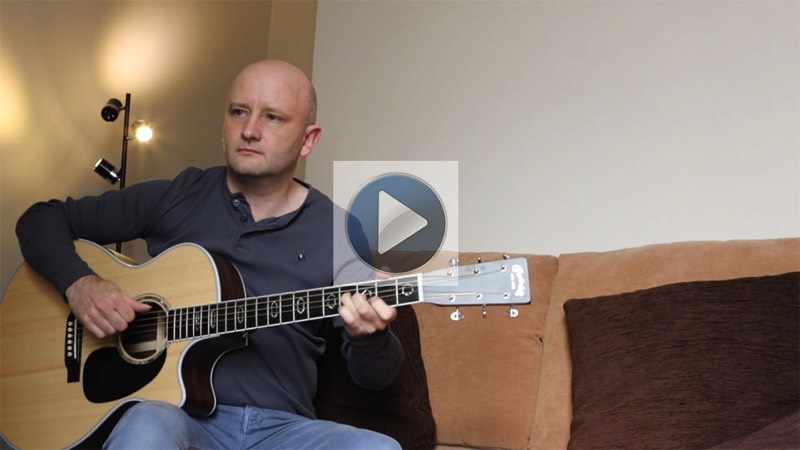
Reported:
(247, 314)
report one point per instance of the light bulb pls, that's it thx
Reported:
(142, 131)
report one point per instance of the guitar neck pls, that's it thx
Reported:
(253, 313)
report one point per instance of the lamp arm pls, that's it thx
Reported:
(123, 169)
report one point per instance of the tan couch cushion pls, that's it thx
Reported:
(483, 373)
(583, 275)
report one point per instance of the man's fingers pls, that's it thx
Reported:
(384, 311)
(101, 305)
(129, 307)
(140, 307)
(363, 315)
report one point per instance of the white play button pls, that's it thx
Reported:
(396, 222)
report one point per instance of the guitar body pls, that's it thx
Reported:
(62, 387)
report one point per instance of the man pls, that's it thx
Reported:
(276, 230)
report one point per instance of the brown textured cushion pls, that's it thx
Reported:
(402, 410)
(593, 274)
(783, 434)
(688, 365)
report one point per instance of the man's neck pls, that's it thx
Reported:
(269, 197)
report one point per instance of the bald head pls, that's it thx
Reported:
(289, 76)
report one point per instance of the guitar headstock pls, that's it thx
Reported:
(504, 282)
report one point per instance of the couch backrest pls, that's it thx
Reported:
(505, 383)
(585, 275)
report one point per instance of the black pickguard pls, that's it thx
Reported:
(107, 377)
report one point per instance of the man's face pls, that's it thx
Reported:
(265, 127)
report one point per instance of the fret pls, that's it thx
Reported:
(241, 314)
(286, 309)
(179, 323)
(293, 307)
(190, 316)
(301, 306)
(170, 327)
(192, 322)
(257, 312)
(213, 318)
(330, 301)
(187, 322)
(316, 307)
(224, 315)
(207, 320)
(387, 290)
(251, 313)
(219, 324)
(274, 310)
(232, 319)
(183, 321)
(198, 321)
(231, 316)
(236, 310)
(174, 320)
(368, 288)
(407, 290)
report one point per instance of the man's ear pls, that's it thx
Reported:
(310, 139)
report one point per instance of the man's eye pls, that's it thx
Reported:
(238, 112)
(273, 117)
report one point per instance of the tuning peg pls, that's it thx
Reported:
(453, 263)
(484, 312)
(456, 315)
(506, 256)
(479, 260)
(512, 312)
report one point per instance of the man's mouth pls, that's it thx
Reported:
(248, 151)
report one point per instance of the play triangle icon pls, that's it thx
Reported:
(396, 222)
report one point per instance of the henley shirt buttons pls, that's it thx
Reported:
(301, 257)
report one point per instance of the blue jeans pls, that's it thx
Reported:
(156, 425)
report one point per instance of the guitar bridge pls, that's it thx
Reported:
(73, 337)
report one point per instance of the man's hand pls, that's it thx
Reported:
(101, 306)
(363, 316)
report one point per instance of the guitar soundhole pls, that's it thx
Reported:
(145, 338)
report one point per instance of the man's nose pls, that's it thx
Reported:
(251, 131)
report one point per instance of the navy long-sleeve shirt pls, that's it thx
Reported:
(295, 251)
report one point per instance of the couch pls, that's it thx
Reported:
(678, 345)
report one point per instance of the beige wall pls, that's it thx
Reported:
(577, 125)
(61, 61)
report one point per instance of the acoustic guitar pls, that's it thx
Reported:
(62, 387)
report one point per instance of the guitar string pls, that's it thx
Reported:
(186, 326)
(194, 326)
(226, 312)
